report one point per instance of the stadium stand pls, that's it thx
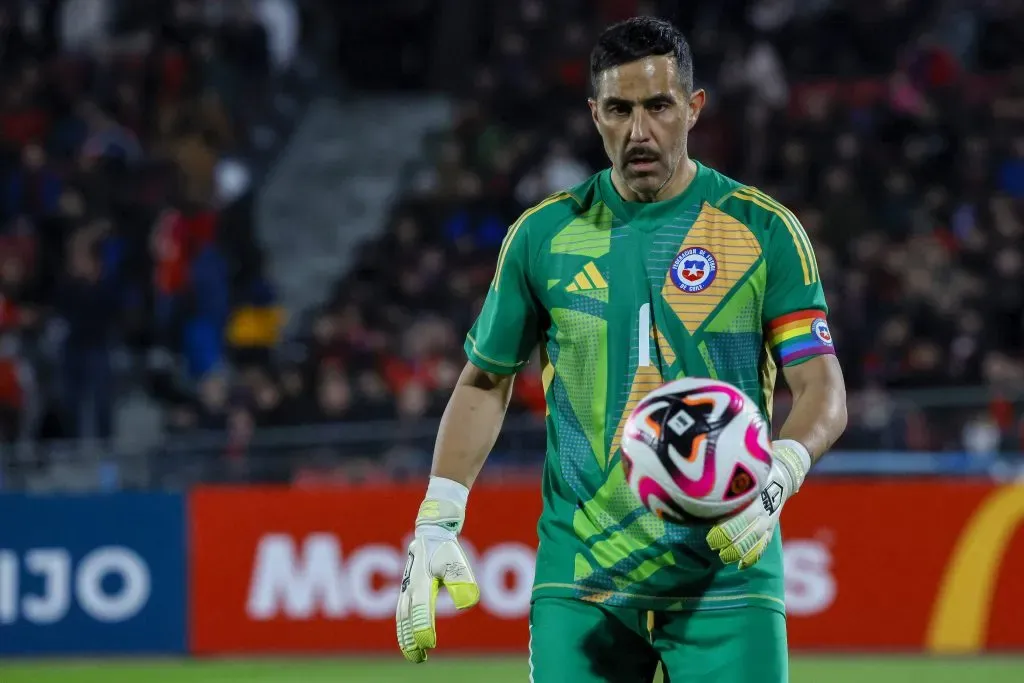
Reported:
(905, 166)
(924, 294)
(128, 254)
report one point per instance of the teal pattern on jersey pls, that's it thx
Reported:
(732, 350)
(578, 386)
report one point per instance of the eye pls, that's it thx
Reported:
(657, 107)
(618, 110)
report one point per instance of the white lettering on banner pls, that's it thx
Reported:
(506, 561)
(810, 586)
(135, 584)
(54, 566)
(8, 587)
(370, 561)
(300, 585)
(63, 584)
(314, 579)
(317, 579)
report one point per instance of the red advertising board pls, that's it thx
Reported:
(873, 566)
(277, 570)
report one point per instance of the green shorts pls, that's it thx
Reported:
(582, 642)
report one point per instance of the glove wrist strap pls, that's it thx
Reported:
(440, 488)
(444, 505)
(794, 458)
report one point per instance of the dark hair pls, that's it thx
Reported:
(639, 37)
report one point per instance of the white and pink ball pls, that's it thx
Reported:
(696, 451)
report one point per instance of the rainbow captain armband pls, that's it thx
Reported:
(800, 336)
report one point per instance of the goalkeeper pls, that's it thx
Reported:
(656, 268)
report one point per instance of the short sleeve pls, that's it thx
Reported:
(506, 331)
(795, 311)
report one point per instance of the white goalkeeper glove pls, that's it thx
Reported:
(743, 537)
(435, 559)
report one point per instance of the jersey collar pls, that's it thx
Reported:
(650, 214)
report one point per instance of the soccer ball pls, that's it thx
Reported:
(696, 451)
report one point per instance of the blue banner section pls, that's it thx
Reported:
(95, 574)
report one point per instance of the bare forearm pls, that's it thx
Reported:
(817, 419)
(470, 425)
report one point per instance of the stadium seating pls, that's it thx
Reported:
(128, 243)
(906, 170)
(125, 202)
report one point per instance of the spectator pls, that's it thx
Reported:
(88, 303)
(334, 394)
(34, 188)
(280, 21)
(213, 406)
(209, 300)
(558, 171)
(256, 321)
(15, 386)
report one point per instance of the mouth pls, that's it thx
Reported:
(642, 164)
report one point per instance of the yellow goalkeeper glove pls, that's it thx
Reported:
(435, 559)
(743, 537)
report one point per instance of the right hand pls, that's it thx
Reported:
(435, 559)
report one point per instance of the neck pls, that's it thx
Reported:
(681, 177)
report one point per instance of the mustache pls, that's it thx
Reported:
(641, 154)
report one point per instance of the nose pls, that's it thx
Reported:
(639, 130)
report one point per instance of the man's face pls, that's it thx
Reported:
(643, 115)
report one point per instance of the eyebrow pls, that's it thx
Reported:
(658, 98)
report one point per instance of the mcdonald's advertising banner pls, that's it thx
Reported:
(903, 565)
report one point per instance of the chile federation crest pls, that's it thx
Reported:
(820, 329)
(694, 270)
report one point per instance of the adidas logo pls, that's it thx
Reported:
(588, 279)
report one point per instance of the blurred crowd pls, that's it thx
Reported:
(126, 250)
(894, 130)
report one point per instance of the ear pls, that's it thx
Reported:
(592, 103)
(697, 101)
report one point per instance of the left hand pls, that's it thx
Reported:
(743, 537)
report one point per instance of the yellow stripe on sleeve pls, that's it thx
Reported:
(515, 228)
(806, 267)
(801, 233)
(723, 199)
(488, 359)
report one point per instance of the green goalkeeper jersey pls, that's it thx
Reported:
(720, 282)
